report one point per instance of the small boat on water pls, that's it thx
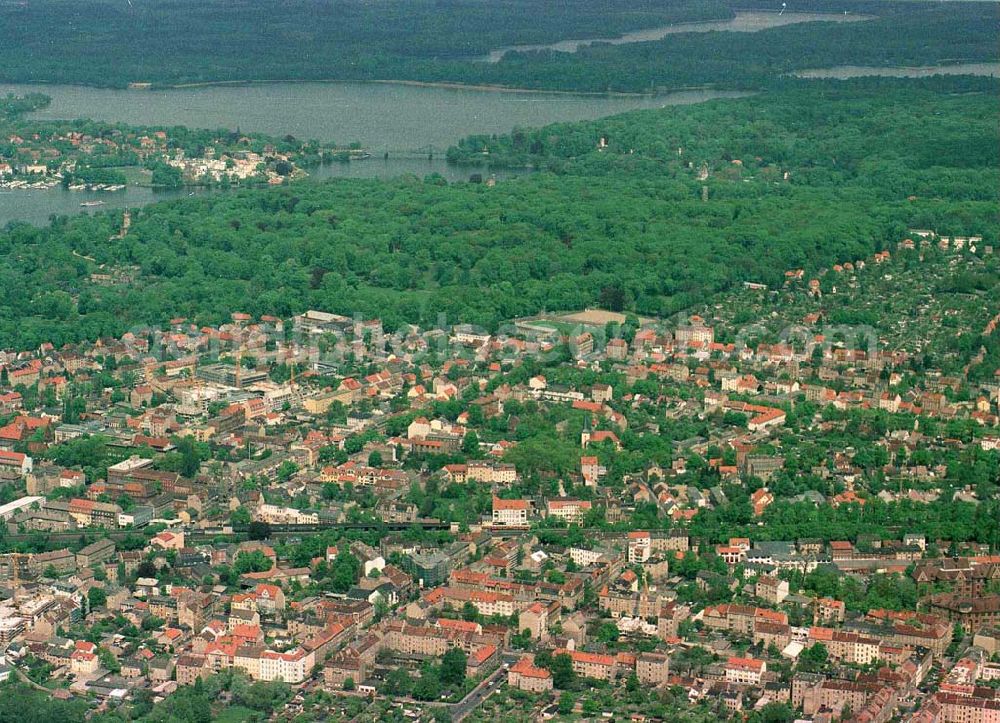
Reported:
(89, 204)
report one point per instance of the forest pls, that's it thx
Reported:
(181, 41)
(897, 37)
(113, 43)
(826, 172)
(828, 132)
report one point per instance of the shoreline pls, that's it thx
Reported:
(805, 74)
(679, 28)
(442, 84)
(494, 88)
(896, 71)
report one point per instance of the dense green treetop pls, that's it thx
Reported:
(891, 157)
(826, 132)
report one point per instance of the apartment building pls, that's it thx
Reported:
(591, 665)
(486, 602)
(290, 667)
(510, 513)
(570, 510)
(537, 617)
(848, 647)
(745, 671)
(493, 473)
(93, 514)
(669, 619)
(524, 675)
(640, 547)
(617, 602)
(652, 668)
(95, 552)
(771, 589)
(838, 695)
(957, 708)
(740, 618)
(828, 610)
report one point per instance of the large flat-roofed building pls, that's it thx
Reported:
(430, 568)
(321, 322)
(229, 376)
(121, 471)
(138, 516)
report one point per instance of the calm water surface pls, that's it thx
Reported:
(411, 123)
(743, 22)
(842, 72)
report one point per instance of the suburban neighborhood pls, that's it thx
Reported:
(762, 506)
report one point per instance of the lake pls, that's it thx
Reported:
(409, 122)
(743, 22)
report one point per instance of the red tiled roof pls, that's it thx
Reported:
(500, 504)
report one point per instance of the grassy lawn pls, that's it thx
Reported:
(233, 714)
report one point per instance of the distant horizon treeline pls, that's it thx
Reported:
(182, 41)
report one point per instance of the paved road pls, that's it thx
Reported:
(25, 679)
(484, 690)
